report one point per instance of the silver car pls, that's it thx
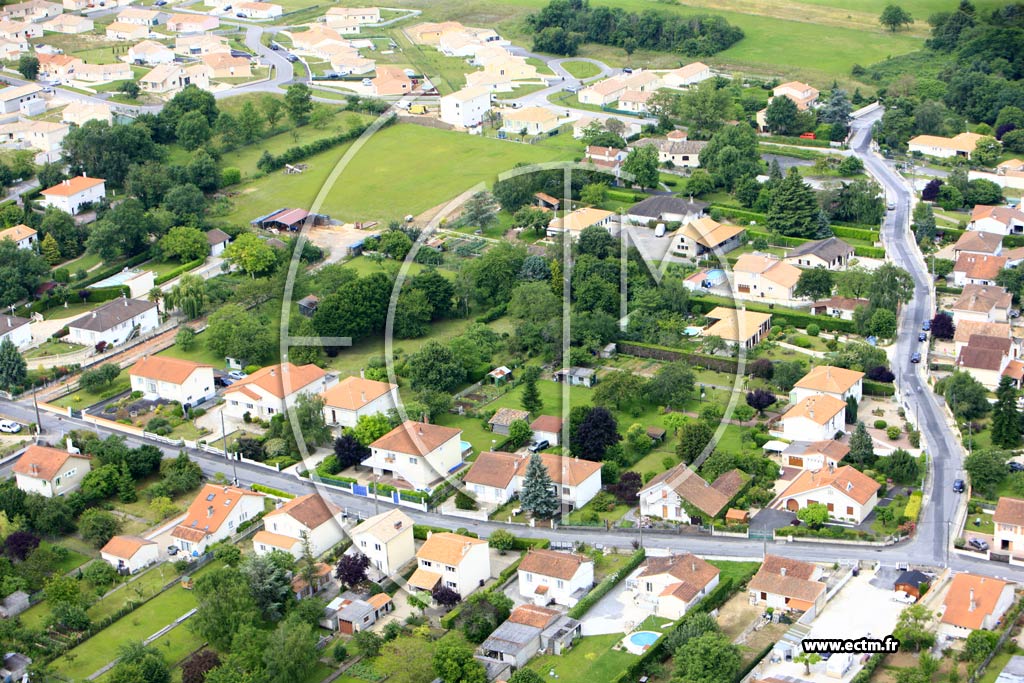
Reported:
(9, 427)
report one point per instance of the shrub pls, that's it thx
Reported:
(913, 508)
(881, 424)
(813, 330)
(464, 502)
(893, 432)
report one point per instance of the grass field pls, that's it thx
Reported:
(590, 659)
(581, 69)
(83, 399)
(52, 348)
(199, 353)
(379, 182)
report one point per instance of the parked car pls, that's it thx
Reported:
(9, 427)
(538, 446)
(241, 53)
(922, 337)
(275, 46)
(627, 70)
(978, 544)
(237, 374)
(958, 486)
(291, 58)
(1015, 466)
(222, 381)
(891, 205)
(904, 597)
(926, 325)
(367, 81)
(916, 358)
(172, 550)
(1014, 313)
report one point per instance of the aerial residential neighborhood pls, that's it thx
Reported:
(511, 341)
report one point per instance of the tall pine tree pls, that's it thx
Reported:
(794, 209)
(50, 250)
(531, 400)
(539, 496)
(862, 450)
(13, 370)
(1006, 419)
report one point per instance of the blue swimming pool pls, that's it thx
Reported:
(692, 331)
(644, 639)
(716, 275)
(466, 446)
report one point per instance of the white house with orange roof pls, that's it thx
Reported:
(50, 471)
(103, 73)
(139, 16)
(19, 30)
(765, 278)
(815, 418)
(803, 95)
(259, 10)
(130, 554)
(391, 80)
(44, 137)
(120, 30)
(57, 68)
(167, 79)
(1002, 220)
(1009, 526)
(496, 477)
(173, 379)
(532, 120)
(72, 194)
(688, 75)
(785, 584)
(214, 515)
(670, 586)
(223, 65)
(150, 52)
(974, 602)
(549, 576)
(961, 145)
(80, 111)
(192, 23)
(362, 15)
(839, 383)
(69, 24)
(306, 519)
(698, 237)
(202, 44)
(387, 539)
(354, 397)
(574, 223)
(849, 494)
(310, 38)
(22, 235)
(461, 563)
(737, 327)
(272, 390)
(466, 108)
(419, 453)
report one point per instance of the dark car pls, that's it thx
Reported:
(275, 46)
(223, 381)
(241, 53)
(291, 58)
(916, 358)
(1015, 466)
(922, 337)
(978, 544)
(958, 486)
(172, 550)
(927, 325)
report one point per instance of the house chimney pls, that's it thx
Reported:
(419, 430)
(465, 547)
(362, 373)
(362, 396)
(209, 511)
(782, 571)
(94, 314)
(272, 372)
(973, 605)
(35, 468)
(693, 566)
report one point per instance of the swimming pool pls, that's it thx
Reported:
(638, 642)
(692, 331)
(716, 275)
(466, 446)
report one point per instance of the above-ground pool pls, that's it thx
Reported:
(466, 446)
(717, 275)
(638, 642)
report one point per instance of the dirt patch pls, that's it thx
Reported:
(736, 614)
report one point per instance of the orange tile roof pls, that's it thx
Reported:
(1009, 511)
(553, 563)
(43, 462)
(385, 526)
(847, 480)
(965, 142)
(769, 267)
(533, 615)
(979, 241)
(165, 369)
(691, 487)
(735, 325)
(447, 548)
(379, 600)
(125, 547)
(73, 186)
(423, 578)
(830, 379)
(562, 469)
(979, 266)
(546, 423)
(274, 378)
(689, 70)
(693, 574)
(708, 232)
(17, 233)
(819, 408)
(966, 329)
(959, 608)
(275, 540)
(310, 510)
(789, 578)
(982, 298)
(209, 510)
(353, 393)
(416, 438)
(1015, 370)
(493, 469)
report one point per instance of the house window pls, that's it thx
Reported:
(362, 543)
(413, 461)
(451, 584)
(449, 569)
(650, 587)
(529, 577)
(427, 563)
(560, 583)
(376, 546)
(849, 509)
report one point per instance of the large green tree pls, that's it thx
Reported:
(794, 211)
(234, 332)
(782, 116)
(1006, 419)
(708, 658)
(732, 155)
(454, 662)
(21, 271)
(539, 494)
(185, 244)
(298, 100)
(224, 604)
(987, 468)
(705, 108)
(253, 255)
(642, 164)
(894, 17)
(434, 366)
(13, 369)
(814, 283)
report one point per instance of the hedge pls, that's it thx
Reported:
(420, 531)
(855, 233)
(797, 318)
(763, 218)
(183, 268)
(869, 252)
(948, 290)
(274, 492)
(609, 582)
(864, 675)
(913, 507)
(776, 240)
(291, 155)
(641, 350)
(797, 141)
(872, 388)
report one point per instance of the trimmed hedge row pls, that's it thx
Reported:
(183, 268)
(420, 531)
(872, 388)
(864, 675)
(299, 152)
(274, 492)
(609, 582)
(855, 233)
(776, 240)
(762, 218)
(948, 290)
(102, 294)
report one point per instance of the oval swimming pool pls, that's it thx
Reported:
(644, 639)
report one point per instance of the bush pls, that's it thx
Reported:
(881, 424)
(913, 508)
(893, 432)
(464, 502)
(813, 330)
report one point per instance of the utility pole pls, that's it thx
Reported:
(224, 443)
(39, 420)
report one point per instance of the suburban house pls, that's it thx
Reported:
(986, 358)
(350, 614)
(738, 327)
(665, 209)
(1003, 220)
(123, 31)
(387, 539)
(362, 15)
(103, 73)
(150, 52)
(635, 101)
(764, 277)
(57, 68)
(529, 630)
(574, 223)
(45, 137)
(18, 330)
(218, 241)
(461, 563)
(78, 112)
(11, 98)
(201, 44)
(549, 576)
(271, 390)
(353, 397)
(978, 242)
(173, 379)
(503, 419)
(129, 554)
(138, 16)
(71, 195)
(787, 584)
(682, 495)
(192, 23)
(167, 79)
(306, 519)
(670, 586)
(961, 145)
(974, 602)
(848, 493)
(831, 253)
(496, 477)
(32, 10)
(703, 235)
(69, 24)
(259, 10)
(969, 328)
(814, 455)
(1009, 526)
(815, 418)
(466, 108)
(546, 428)
(609, 158)
(214, 515)
(19, 30)
(22, 235)
(674, 150)
(391, 81)
(530, 121)
(912, 582)
(977, 269)
(838, 307)
(803, 95)
(982, 303)
(222, 65)
(603, 92)
(688, 75)
(828, 379)
(50, 471)
(115, 322)
(417, 454)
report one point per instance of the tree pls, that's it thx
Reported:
(412, 315)
(930, 192)
(901, 466)
(708, 658)
(349, 452)
(672, 384)
(883, 324)
(895, 17)
(851, 410)
(987, 469)
(28, 66)
(482, 613)
(862, 448)
(249, 123)
(193, 130)
(836, 111)
(595, 434)
(139, 663)
(619, 388)
(395, 244)
(642, 164)
(808, 659)
(407, 659)
(539, 496)
(596, 241)
(269, 584)
(13, 369)
(272, 108)
(439, 292)
(924, 223)
(890, 287)
(782, 116)
(454, 662)
(519, 434)
(351, 569)
(369, 428)
(63, 590)
(435, 366)
(251, 254)
(1006, 419)
(195, 668)
(189, 296)
(759, 400)
(233, 332)
(986, 152)
(979, 645)
(530, 399)
(531, 217)
(694, 437)
(815, 515)
(732, 155)
(480, 210)
(793, 211)
(705, 108)
(445, 596)
(526, 676)
(50, 250)
(98, 526)
(185, 244)
(967, 397)
(298, 101)
(22, 270)
(594, 194)
(19, 545)
(814, 283)
(291, 653)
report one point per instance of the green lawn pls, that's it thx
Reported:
(160, 268)
(83, 399)
(73, 309)
(591, 659)
(52, 348)
(403, 169)
(199, 353)
(739, 571)
(84, 262)
(580, 69)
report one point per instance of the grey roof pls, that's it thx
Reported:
(355, 611)
(112, 313)
(655, 207)
(217, 236)
(12, 322)
(563, 625)
(826, 249)
(510, 638)
(912, 577)
(576, 371)
(667, 146)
